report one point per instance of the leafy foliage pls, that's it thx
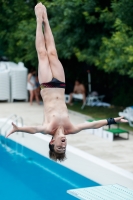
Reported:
(116, 52)
(79, 27)
(76, 24)
(96, 32)
(17, 30)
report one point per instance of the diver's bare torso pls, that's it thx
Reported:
(55, 111)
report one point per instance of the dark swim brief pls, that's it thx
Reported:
(54, 83)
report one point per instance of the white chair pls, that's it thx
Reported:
(11, 65)
(79, 97)
(21, 64)
(18, 76)
(96, 101)
(127, 114)
(91, 99)
(76, 96)
(67, 98)
(4, 85)
(19, 84)
(3, 66)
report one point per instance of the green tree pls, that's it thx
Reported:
(79, 27)
(94, 31)
(17, 30)
(116, 52)
(76, 25)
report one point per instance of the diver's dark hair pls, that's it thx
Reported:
(54, 155)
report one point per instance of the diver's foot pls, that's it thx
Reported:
(44, 14)
(39, 10)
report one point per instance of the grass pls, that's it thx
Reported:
(99, 112)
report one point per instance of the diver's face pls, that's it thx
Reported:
(59, 141)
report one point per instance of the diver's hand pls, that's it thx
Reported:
(120, 120)
(15, 129)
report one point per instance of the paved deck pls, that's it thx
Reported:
(118, 152)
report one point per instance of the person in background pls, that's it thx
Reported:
(32, 87)
(79, 88)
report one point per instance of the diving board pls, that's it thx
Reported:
(108, 192)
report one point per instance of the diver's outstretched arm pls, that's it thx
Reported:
(31, 130)
(98, 124)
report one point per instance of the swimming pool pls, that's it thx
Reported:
(25, 175)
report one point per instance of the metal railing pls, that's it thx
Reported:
(13, 117)
(17, 120)
(17, 123)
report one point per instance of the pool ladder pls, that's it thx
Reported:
(17, 120)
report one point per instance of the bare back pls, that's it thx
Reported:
(79, 89)
(55, 109)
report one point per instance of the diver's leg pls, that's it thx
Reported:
(44, 70)
(55, 64)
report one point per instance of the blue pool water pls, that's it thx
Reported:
(34, 177)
